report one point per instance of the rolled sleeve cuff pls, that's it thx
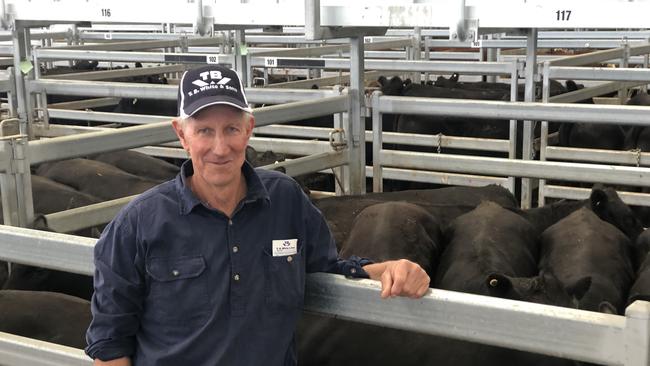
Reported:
(110, 350)
(354, 267)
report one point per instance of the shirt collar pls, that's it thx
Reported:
(255, 189)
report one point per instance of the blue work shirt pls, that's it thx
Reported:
(179, 283)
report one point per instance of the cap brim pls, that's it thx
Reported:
(211, 100)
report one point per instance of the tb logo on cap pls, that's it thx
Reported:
(214, 75)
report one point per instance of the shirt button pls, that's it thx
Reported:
(230, 222)
(175, 273)
(235, 249)
(289, 259)
(353, 270)
(236, 277)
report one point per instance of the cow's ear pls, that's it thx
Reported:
(382, 80)
(598, 198)
(607, 308)
(498, 285)
(579, 288)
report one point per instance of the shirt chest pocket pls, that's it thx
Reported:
(285, 280)
(178, 288)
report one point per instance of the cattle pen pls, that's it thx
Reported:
(361, 39)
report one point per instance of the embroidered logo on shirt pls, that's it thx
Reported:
(285, 247)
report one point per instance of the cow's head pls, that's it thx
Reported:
(607, 205)
(542, 289)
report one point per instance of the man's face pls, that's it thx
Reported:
(216, 140)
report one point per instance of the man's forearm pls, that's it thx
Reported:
(124, 361)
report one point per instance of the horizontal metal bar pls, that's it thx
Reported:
(324, 81)
(330, 49)
(606, 174)
(110, 74)
(499, 322)
(463, 67)
(599, 56)
(310, 164)
(451, 142)
(144, 44)
(86, 216)
(541, 43)
(84, 104)
(295, 111)
(561, 112)
(44, 54)
(438, 177)
(134, 119)
(22, 351)
(167, 92)
(597, 155)
(163, 152)
(590, 92)
(102, 89)
(47, 249)
(36, 34)
(285, 146)
(295, 131)
(575, 193)
(599, 73)
(93, 142)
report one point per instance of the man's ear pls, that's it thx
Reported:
(251, 125)
(178, 128)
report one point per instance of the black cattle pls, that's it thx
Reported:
(139, 164)
(392, 230)
(50, 196)
(592, 136)
(45, 316)
(582, 245)
(24, 277)
(444, 204)
(325, 341)
(95, 178)
(485, 241)
(604, 202)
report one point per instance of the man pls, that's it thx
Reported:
(209, 268)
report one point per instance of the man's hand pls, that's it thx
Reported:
(399, 278)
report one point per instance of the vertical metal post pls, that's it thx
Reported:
(377, 144)
(20, 39)
(427, 56)
(15, 182)
(416, 49)
(543, 138)
(637, 334)
(646, 62)
(241, 61)
(341, 186)
(41, 98)
(527, 140)
(625, 58)
(491, 56)
(512, 148)
(356, 123)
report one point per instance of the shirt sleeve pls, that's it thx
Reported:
(322, 255)
(119, 290)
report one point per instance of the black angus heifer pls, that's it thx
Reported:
(490, 239)
(604, 202)
(45, 316)
(139, 164)
(325, 341)
(95, 178)
(391, 230)
(444, 204)
(493, 251)
(583, 245)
